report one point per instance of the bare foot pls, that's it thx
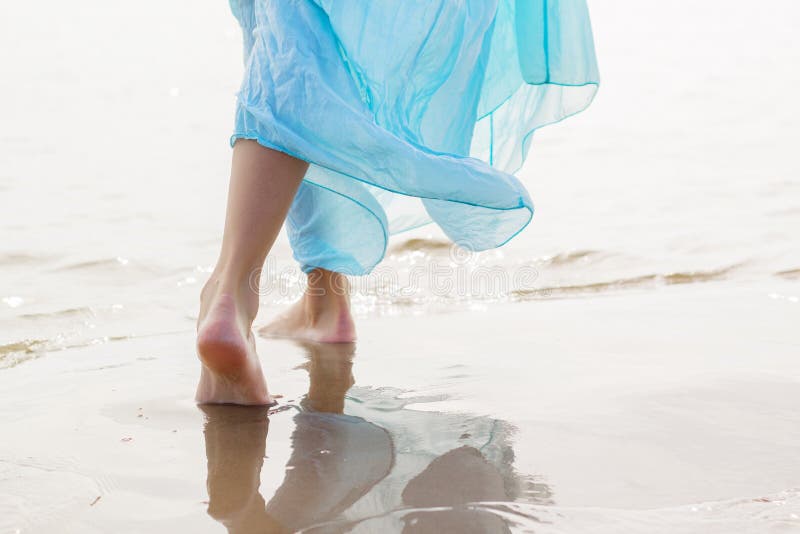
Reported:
(322, 314)
(231, 372)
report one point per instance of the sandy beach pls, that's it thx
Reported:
(599, 420)
(628, 364)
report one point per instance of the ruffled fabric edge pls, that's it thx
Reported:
(548, 101)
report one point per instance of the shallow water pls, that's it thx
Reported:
(619, 425)
(665, 243)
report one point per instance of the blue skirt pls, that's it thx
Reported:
(408, 112)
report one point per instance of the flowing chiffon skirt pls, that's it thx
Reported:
(409, 112)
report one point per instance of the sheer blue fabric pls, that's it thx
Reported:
(408, 112)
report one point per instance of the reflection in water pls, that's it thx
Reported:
(378, 468)
(235, 443)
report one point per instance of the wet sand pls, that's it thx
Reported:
(659, 411)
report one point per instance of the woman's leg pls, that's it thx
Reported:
(263, 184)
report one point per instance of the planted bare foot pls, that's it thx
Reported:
(231, 372)
(322, 314)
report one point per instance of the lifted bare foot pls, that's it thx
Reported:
(321, 315)
(231, 372)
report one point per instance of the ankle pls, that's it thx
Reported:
(327, 284)
(244, 297)
(327, 292)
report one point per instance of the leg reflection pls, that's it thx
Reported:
(330, 372)
(235, 443)
(335, 458)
